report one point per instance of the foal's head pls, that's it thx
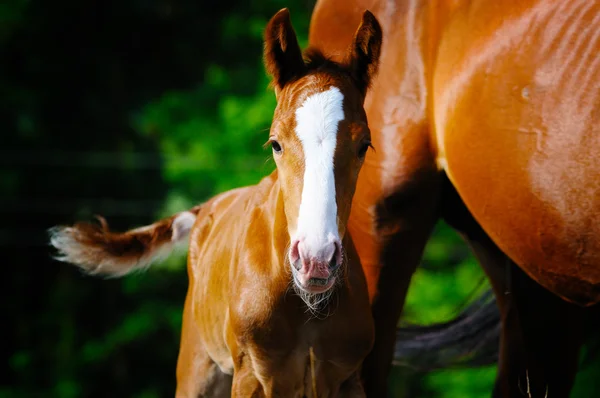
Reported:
(319, 138)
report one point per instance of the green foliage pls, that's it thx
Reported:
(462, 383)
(211, 142)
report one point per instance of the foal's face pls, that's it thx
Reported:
(320, 138)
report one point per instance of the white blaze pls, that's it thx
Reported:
(317, 126)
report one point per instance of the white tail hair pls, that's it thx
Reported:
(98, 251)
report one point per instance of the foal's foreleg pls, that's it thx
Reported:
(245, 383)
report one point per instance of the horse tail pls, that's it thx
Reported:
(99, 251)
(470, 340)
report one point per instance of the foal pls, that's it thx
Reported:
(277, 297)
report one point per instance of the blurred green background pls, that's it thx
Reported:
(134, 110)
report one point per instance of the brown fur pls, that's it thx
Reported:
(502, 102)
(99, 251)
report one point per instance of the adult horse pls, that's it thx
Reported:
(277, 297)
(484, 114)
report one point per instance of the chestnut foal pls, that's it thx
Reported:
(277, 297)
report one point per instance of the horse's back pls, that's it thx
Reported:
(517, 109)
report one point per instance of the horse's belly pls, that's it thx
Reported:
(518, 130)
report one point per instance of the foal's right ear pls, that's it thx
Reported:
(283, 58)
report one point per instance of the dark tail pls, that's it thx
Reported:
(470, 340)
(98, 251)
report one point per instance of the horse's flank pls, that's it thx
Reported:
(518, 113)
(507, 100)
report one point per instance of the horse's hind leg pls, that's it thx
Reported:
(197, 374)
(541, 334)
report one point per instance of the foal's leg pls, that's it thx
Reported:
(245, 384)
(197, 374)
(541, 334)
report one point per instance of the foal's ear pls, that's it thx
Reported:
(283, 58)
(363, 56)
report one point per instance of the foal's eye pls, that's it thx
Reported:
(276, 147)
(362, 150)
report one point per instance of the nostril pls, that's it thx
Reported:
(336, 259)
(295, 254)
(339, 254)
(333, 264)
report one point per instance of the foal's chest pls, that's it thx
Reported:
(295, 359)
(341, 343)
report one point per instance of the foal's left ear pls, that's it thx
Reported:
(363, 56)
(283, 57)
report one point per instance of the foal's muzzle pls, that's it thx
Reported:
(315, 270)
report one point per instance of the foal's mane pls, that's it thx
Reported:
(315, 60)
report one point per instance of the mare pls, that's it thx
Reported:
(484, 114)
(277, 304)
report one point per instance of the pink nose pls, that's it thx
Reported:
(315, 265)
